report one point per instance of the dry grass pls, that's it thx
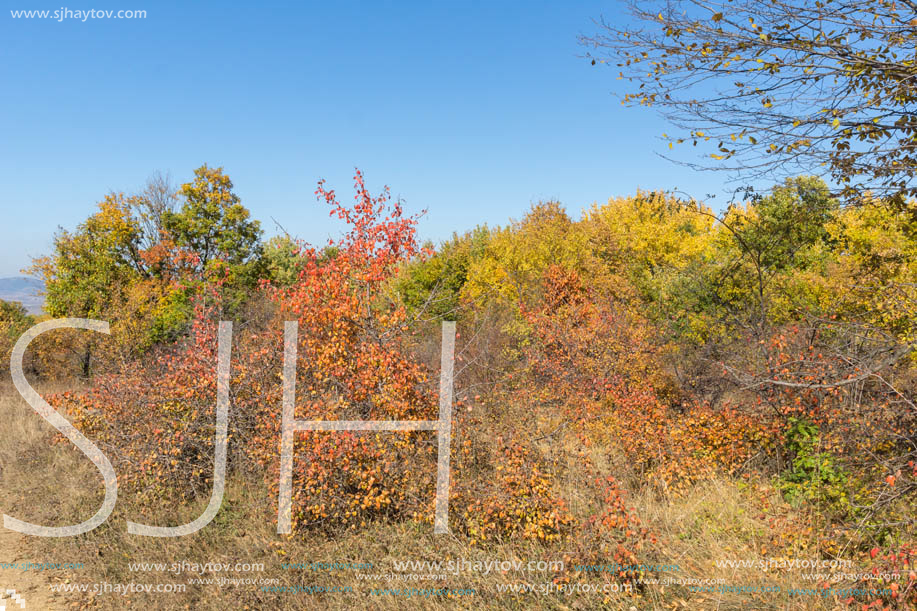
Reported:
(719, 519)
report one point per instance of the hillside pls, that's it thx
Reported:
(24, 290)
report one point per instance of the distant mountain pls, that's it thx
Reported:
(25, 291)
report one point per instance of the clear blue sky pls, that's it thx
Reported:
(472, 110)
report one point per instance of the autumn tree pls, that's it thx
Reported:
(511, 265)
(876, 279)
(786, 85)
(136, 261)
(92, 267)
(649, 238)
(354, 363)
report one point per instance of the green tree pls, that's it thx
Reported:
(433, 286)
(93, 272)
(212, 223)
(282, 261)
(91, 265)
(14, 321)
(765, 261)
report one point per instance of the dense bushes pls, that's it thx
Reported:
(647, 347)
